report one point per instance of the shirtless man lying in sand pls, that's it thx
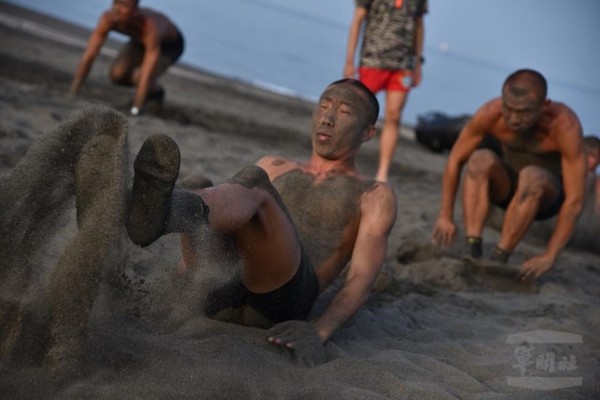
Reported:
(295, 226)
(541, 174)
(155, 45)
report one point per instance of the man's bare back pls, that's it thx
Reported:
(145, 26)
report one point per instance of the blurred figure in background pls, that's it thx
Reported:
(592, 149)
(155, 44)
(390, 60)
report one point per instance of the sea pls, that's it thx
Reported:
(298, 47)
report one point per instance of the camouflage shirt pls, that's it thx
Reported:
(390, 33)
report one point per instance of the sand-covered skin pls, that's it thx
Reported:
(436, 326)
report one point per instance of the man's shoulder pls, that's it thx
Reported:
(379, 206)
(491, 108)
(564, 122)
(564, 113)
(488, 115)
(268, 162)
(275, 166)
(107, 20)
(378, 193)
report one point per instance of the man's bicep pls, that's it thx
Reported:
(378, 210)
(98, 37)
(469, 138)
(574, 172)
(378, 215)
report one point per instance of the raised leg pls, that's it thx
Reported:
(155, 208)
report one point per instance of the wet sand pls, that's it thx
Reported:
(436, 327)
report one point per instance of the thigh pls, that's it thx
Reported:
(394, 103)
(269, 247)
(129, 58)
(550, 186)
(264, 233)
(502, 180)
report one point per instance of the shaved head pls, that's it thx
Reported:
(365, 93)
(526, 82)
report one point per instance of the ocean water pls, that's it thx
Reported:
(298, 47)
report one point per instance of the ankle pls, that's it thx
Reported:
(474, 246)
(187, 212)
(501, 255)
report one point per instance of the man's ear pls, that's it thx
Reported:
(369, 133)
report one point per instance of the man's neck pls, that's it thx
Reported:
(324, 168)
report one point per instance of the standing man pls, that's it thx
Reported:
(155, 44)
(390, 60)
(542, 172)
(294, 226)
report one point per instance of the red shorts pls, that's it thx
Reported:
(377, 79)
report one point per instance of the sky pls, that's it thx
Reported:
(556, 36)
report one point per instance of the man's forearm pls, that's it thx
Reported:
(80, 75)
(449, 189)
(565, 226)
(343, 307)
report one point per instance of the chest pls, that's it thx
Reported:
(133, 28)
(322, 209)
(536, 143)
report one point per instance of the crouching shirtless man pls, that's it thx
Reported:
(155, 44)
(540, 175)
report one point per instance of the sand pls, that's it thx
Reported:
(436, 326)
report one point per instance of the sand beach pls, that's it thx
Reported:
(435, 327)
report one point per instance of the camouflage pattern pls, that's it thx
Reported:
(389, 35)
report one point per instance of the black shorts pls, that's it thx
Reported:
(170, 50)
(292, 301)
(173, 49)
(546, 213)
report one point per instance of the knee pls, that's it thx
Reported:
(393, 117)
(252, 176)
(532, 183)
(480, 163)
(120, 76)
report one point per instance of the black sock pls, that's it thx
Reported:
(187, 211)
(474, 248)
(501, 255)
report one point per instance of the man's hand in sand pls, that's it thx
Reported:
(535, 266)
(301, 339)
(444, 232)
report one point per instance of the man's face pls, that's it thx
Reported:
(340, 122)
(521, 109)
(124, 8)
